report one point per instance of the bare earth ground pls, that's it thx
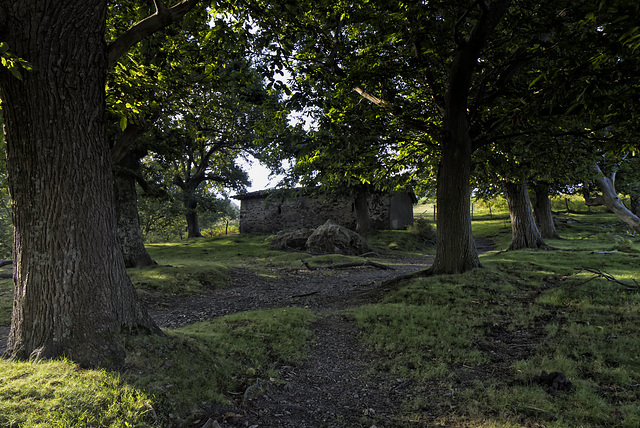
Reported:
(335, 386)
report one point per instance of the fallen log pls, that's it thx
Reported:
(348, 265)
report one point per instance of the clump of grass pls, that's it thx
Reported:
(200, 363)
(194, 266)
(180, 280)
(58, 394)
(401, 242)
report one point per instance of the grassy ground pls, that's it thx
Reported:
(484, 335)
(469, 345)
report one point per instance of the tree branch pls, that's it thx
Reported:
(415, 124)
(127, 140)
(163, 17)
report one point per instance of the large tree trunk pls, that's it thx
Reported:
(542, 212)
(610, 199)
(72, 296)
(129, 234)
(524, 231)
(455, 249)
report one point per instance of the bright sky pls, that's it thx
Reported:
(259, 176)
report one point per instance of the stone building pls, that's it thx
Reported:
(270, 211)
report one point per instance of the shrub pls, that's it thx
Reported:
(424, 229)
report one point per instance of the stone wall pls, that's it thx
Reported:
(271, 211)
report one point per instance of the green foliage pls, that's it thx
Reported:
(59, 394)
(424, 229)
(161, 218)
(13, 63)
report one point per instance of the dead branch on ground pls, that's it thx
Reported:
(347, 265)
(597, 273)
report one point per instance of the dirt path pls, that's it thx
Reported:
(334, 386)
(320, 289)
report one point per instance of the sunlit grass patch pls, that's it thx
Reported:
(58, 394)
(202, 363)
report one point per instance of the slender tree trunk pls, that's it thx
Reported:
(542, 212)
(610, 199)
(635, 201)
(362, 211)
(72, 296)
(129, 233)
(524, 231)
(191, 215)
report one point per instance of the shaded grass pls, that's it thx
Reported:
(202, 363)
(194, 266)
(399, 242)
(479, 338)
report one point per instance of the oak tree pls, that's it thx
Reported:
(72, 296)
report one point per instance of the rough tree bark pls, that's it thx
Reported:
(455, 249)
(129, 235)
(542, 212)
(609, 198)
(72, 296)
(525, 233)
